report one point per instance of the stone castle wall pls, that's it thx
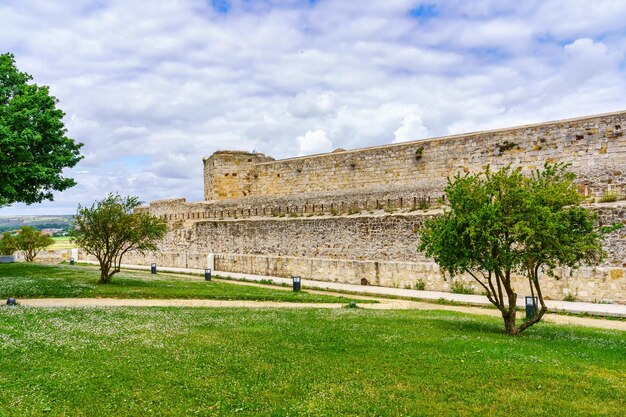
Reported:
(595, 146)
(379, 247)
(353, 215)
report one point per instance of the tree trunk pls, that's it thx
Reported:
(105, 277)
(509, 323)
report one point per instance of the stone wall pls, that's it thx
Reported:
(603, 283)
(380, 248)
(293, 206)
(595, 146)
(353, 215)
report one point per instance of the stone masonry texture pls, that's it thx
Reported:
(353, 216)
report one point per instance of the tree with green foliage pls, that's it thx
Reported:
(30, 241)
(34, 149)
(112, 227)
(502, 223)
(7, 244)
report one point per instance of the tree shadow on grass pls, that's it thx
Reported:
(468, 324)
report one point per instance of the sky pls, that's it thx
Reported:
(152, 87)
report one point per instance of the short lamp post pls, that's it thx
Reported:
(297, 283)
(207, 274)
(72, 261)
(530, 307)
(153, 268)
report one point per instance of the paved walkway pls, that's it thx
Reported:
(609, 310)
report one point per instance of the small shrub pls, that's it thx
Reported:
(459, 288)
(7, 244)
(266, 282)
(353, 210)
(570, 297)
(419, 152)
(609, 197)
(352, 304)
(423, 205)
(506, 146)
(420, 285)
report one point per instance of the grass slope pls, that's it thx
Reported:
(262, 362)
(22, 280)
(61, 242)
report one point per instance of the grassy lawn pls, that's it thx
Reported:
(263, 362)
(61, 242)
(22, 280)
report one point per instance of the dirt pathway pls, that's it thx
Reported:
(383, 304)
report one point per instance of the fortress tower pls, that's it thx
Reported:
(227, 174)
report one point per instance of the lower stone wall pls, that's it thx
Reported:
(380, 248)
(606, 284)
(47, 256)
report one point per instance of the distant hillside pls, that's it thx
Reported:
(9, 223)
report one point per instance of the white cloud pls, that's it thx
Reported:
(152, 87)
(411, 129)
(310, 104)
(588, 57)
(313, 142)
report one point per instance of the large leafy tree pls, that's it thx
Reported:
(34, 149)
(503, 223)
(112, 227)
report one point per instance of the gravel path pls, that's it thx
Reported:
(383, 304)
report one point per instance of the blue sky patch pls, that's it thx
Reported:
(221, 6)
(424, 11)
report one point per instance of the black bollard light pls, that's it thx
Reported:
(153, 268)
(297, 283)
(11, 301)
(530, 307)
(72, 261)
(207, 274)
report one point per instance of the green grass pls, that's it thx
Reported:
(61, 242)
(289, 362)
(22, 280)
